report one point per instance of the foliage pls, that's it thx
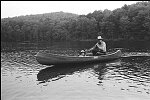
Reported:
(127, 22)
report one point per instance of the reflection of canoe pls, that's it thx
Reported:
(54, 59)
(59, 71)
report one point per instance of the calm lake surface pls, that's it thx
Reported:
(23, 78)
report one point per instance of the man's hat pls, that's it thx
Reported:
(99, 38)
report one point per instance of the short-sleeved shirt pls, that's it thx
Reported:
(102, 46)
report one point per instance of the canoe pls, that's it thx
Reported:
(56, 59)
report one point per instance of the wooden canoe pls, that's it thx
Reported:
(55, 59)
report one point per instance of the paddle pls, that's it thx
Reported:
(135, 56)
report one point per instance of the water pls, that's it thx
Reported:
(23, 78)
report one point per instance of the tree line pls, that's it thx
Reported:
(128, 22)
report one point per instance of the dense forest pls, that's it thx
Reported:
(130, 22)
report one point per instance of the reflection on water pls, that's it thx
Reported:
(23, 78)
(61, 71)
(58, 72)
(132, 74)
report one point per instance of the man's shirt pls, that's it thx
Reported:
(101, 46)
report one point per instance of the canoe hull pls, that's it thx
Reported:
(53, 59)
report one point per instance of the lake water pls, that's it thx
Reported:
(23, 78)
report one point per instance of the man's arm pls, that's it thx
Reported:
(91, 48)
(102, 47)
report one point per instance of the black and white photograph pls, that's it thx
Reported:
(75, 50)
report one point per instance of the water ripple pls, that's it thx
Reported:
(21, 73)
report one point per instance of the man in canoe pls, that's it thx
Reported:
(99, 48)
